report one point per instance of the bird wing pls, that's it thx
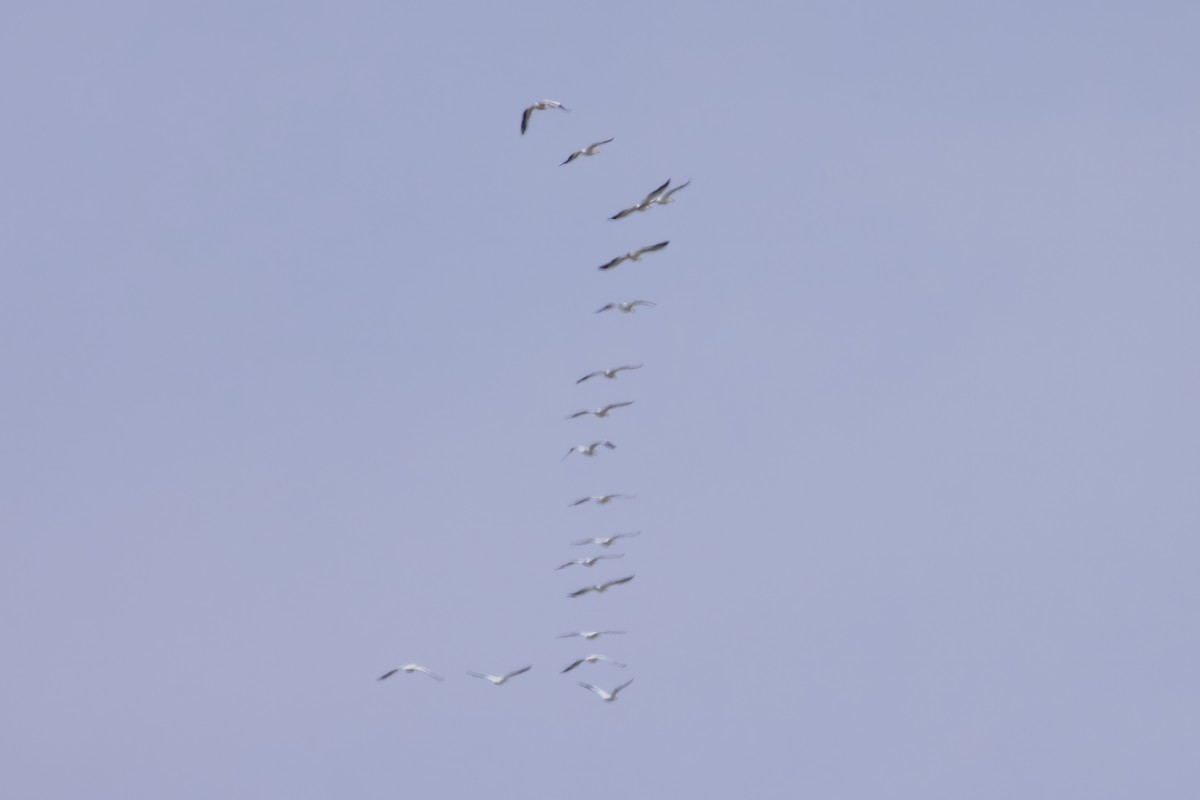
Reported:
(568, 564)
(606, 307)
(517, 672)
(677, 188)
(430, 674)
(606, 141)
(573, 665)
(655, 193)
(613, 263)
(631, 366)
(481, 675)
(581, 501)
(642, 303)
(571, 158)
(652, 248)
(583, 541)
(611, 406)
(582, 591)
(388, 674)
(622, 686)
(588, 686)
(625, 212)
(611, 555)
(585, 412)
(625, 535)
(525, 119)
(590, 374)
(617, 582)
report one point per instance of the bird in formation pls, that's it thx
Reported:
(644, 204)
(593, 660)
(626, 307)
(635, 255)
(589, 449)
(600, 588)
(601, 412)
(607, 697)
(409, 668)
(541, 105)
(600, 500)
(605, 541)
(590, 150)
(608, 373)
(499, 680)
(589, 561)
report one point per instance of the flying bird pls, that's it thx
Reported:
(601, 500)
(499, 680)
(605, 541)
(589, 635)
(635, 255)
(589, 561)
(608, 373)
(593, 660)
(539, 106)
(589, 449)
(607, 697)
(600, 588)
(409, 668)
(601, 412)
(644, 204)
(590, 150)
(665, 197)
(626, 307)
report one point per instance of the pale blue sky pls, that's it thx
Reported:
(292, 314)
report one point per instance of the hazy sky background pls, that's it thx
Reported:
(291, 316)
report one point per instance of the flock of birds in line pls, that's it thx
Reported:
(659, 196)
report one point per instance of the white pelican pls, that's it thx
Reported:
(600, 500)
(600, 588)
(589, 561)
(605, 541)
(635, 255)
(589, 635)
(409, 668)
(589, 449)
(590, 150)
(607, 697)
(601, 412)
(540, 106)
(644, 204)
(499, 680)
(608, 373)
(593, 660)
(626, 307)
(665, 197)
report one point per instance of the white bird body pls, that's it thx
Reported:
(600, 500)
(589, 449)
(608, 373)
(607, 697)
(593, 660)
(600, 588)
(643, 204)
(605, 541)
(589, 561)
(635, 255)
(541, 105)
(410, 668)
(589, 635)
(590, 150)
(626, 307)
(499, 680)
(601, 412)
